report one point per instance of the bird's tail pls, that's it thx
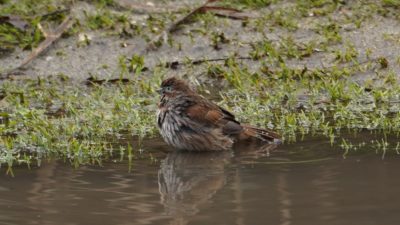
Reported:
(261, 134)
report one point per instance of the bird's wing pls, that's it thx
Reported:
(261, 133)
(211, 115)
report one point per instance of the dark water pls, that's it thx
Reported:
(304, 183)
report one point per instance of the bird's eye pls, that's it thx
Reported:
(168, 88)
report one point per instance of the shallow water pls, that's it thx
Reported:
(309, 182)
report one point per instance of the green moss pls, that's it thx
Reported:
(284, 18)
(348, 54)
(391, 3)
(11, 37)
(102, 19)
(54, 118)
(103, 3)
(28, 7)
(330, 31)
(33, 13)
(318, 8)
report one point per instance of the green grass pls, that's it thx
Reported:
(43, 118)
(392, 3)
(56, 118)
(33, 13)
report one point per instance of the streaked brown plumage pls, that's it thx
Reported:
(188, 121)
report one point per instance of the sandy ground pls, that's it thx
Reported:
(101, 57)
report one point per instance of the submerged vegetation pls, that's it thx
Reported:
(57, 116)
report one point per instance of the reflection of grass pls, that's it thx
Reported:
(52, 117)
(289, 162)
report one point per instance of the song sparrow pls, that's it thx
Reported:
(188, 121)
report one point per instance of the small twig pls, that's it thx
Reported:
(51, 37)
(229, 13)
(91, 81)
(56, 12)
(216, 10)
(174, 26)
(219, 8)
(152, 45)
(45, 34)
(225, 12)
(175, 64)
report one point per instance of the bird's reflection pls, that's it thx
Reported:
(189, 180)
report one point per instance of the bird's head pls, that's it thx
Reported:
(173, 86)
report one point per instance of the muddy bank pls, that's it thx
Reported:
(365, 37)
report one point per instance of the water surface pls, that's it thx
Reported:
(305, 183)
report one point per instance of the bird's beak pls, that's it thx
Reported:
(160, 91)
